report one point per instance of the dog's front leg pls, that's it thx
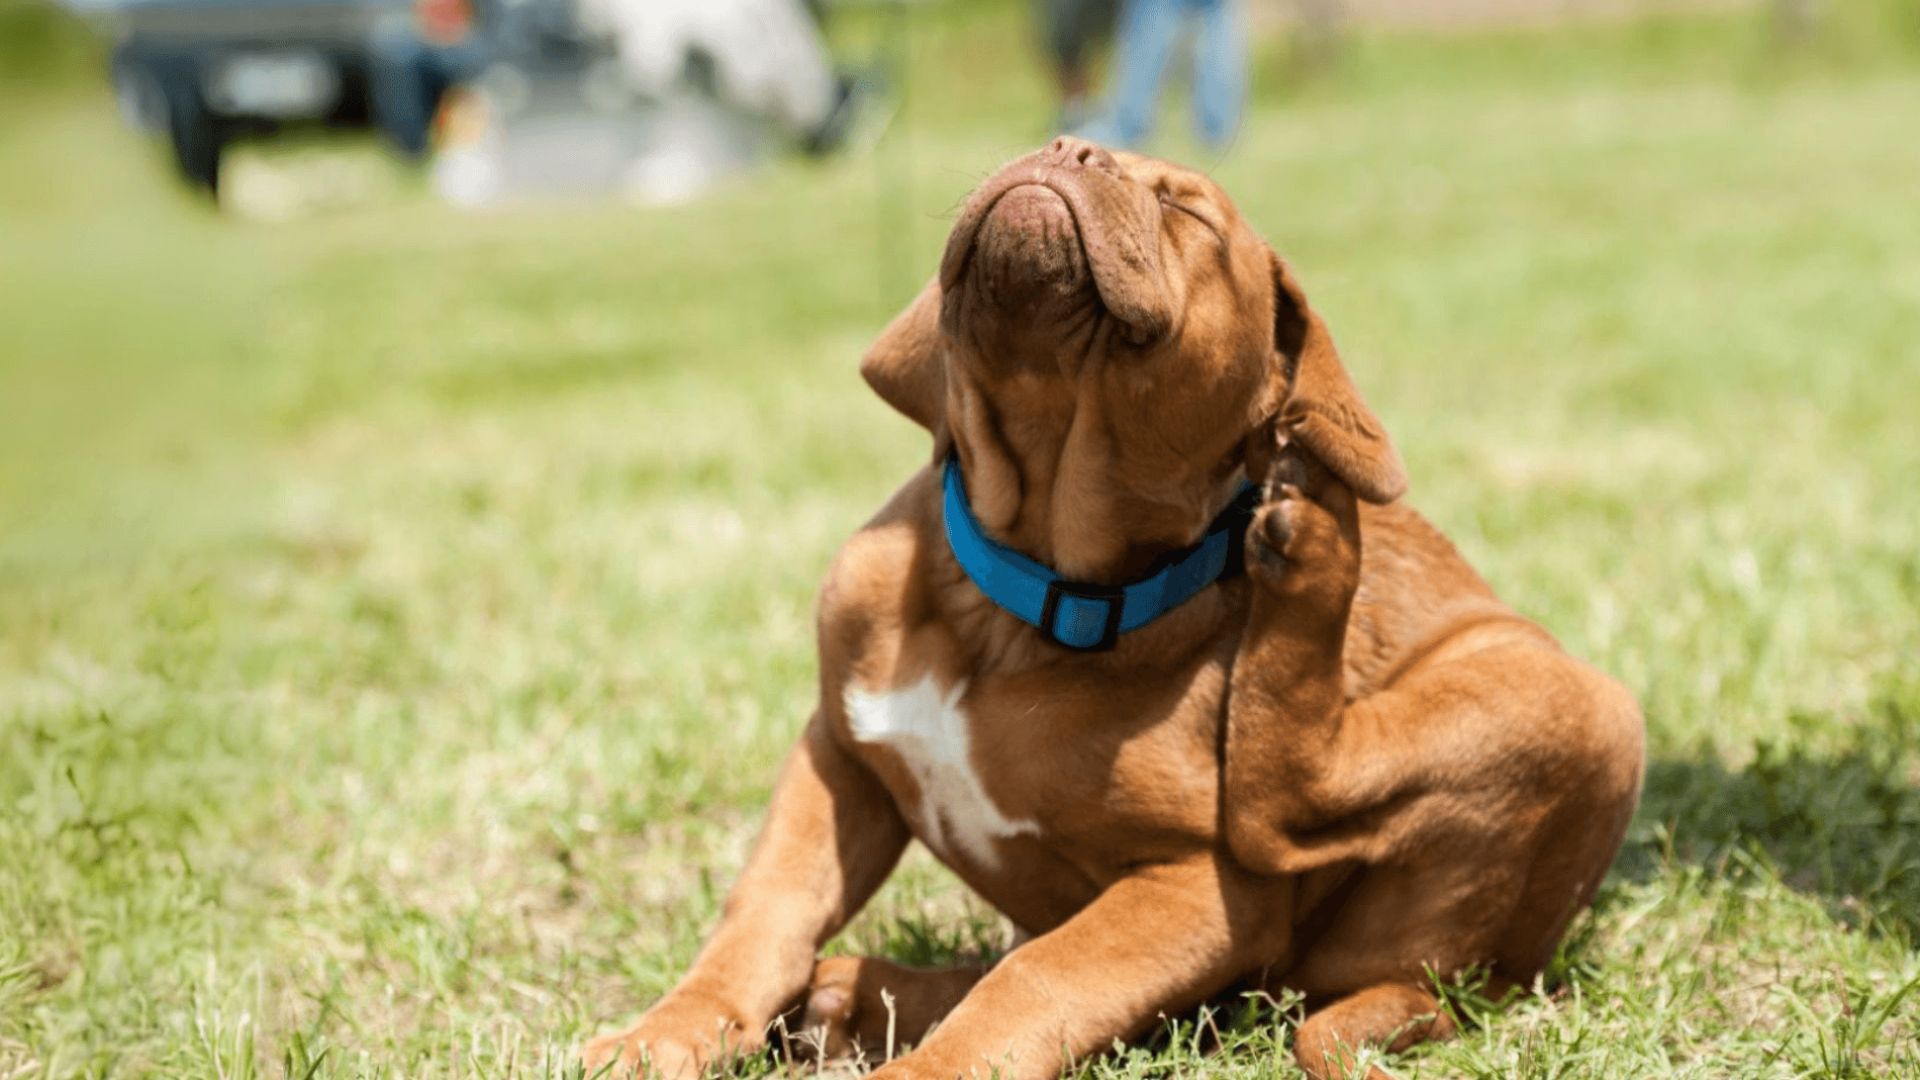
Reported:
(831, 837)
(1152, 944)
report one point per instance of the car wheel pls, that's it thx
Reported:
(197, 139)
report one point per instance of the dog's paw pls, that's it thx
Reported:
(829, 1022)
(869, 1008)
(675, 1040)
(635, 1053)
(1304, 538)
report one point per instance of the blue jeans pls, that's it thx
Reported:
(408, 77)
(1149, 30)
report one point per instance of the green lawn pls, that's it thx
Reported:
(402, 612)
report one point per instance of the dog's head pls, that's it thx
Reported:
(1107, 347)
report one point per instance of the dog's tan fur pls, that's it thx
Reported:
(1348, 769)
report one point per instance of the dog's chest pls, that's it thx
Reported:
(928, 732)
(1001, 776)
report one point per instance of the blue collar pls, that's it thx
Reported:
(1080, 615)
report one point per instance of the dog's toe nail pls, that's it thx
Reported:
(1269, 536)
(1290, 471)
(1270, 558)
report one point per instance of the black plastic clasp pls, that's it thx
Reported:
(1112, 595)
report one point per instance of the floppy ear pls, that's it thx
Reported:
(1323, 409)
(907, 366)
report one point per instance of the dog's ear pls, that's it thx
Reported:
(1322, 409)
(907, 366)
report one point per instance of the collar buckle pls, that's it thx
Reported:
(1078, 598)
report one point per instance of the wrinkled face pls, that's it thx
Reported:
(1108, 314)
(1075, 230)
(1106, 345)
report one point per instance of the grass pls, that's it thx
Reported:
(402, 612)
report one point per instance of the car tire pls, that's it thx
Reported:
(197, 137)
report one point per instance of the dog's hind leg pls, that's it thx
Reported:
(1390, 1016)
(1483, 745)
(878, 1008)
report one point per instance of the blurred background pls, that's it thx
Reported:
(423, 426)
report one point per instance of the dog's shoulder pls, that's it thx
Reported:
(877, 587)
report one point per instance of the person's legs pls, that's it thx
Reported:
(1064, 59)
(400, 88)
(1148, 29)
(1219, 71)
(1075, 30)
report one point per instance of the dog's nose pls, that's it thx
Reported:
(1071, 153)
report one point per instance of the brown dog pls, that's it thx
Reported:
(1345, 770)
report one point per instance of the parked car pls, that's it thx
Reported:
(205, 72)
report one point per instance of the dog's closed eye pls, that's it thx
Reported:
(1170, 202)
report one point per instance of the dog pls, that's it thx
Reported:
(1153, 659)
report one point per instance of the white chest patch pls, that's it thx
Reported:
(932, 737)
